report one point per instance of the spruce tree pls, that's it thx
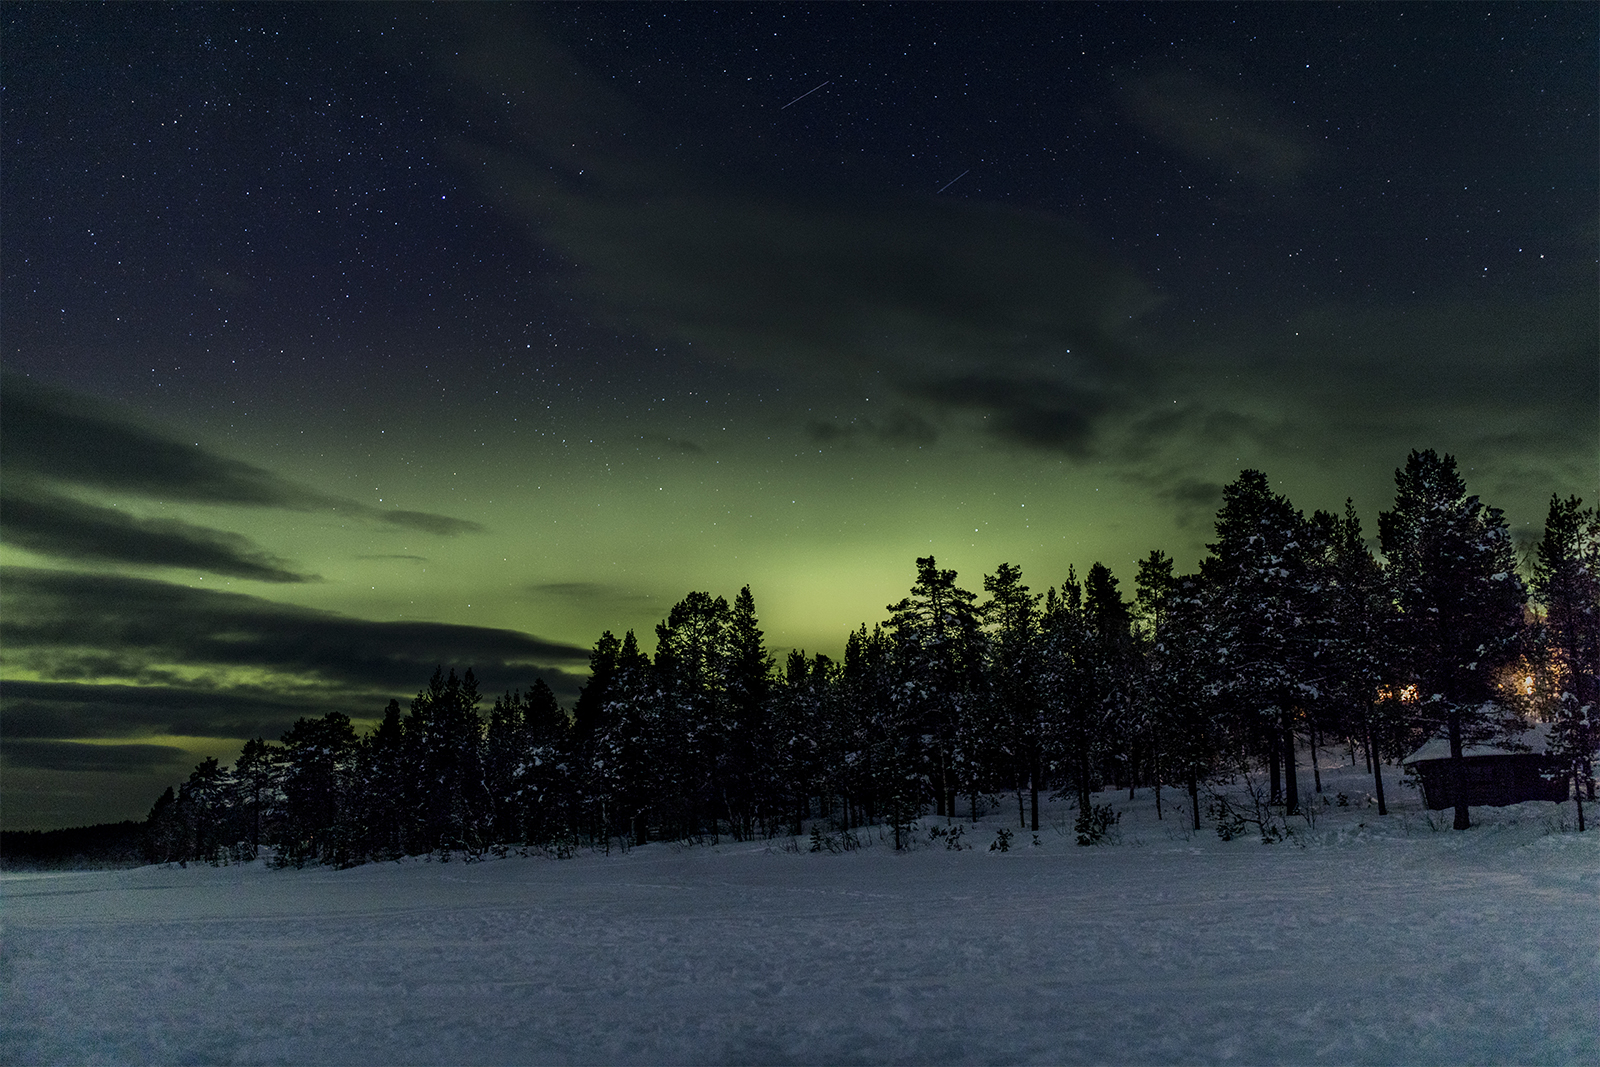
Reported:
(381, 782)
(938, 659)
(1265, 598)
(1566, 582)
(1011, 616)
(1154, 584)
(1182, 680)
(259, 773)
(1070, 685)
(1112, 657)
(745, 776)
(628, 751)
(318, 757)
(443, 735)
(1460, 602)
(691, 668)
(1359, 658)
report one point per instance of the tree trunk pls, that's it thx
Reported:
(1194, 797)
(1155, 772)
(1276, 796)
(1316, 771)
(1033, 785)
(1083, 783)
(1291, 780)
(1458, 771)
(1577, 794)
(1375, 762)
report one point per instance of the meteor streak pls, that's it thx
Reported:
(952, 181)
(803, 95)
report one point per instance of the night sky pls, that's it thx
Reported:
(344, 341)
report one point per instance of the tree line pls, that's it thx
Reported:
(1291, 633)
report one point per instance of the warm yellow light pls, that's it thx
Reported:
(1527, 685)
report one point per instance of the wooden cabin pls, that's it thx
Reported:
(1495, 774)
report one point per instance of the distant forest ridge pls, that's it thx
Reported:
(1291, 634)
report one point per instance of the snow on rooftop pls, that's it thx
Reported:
(1535, 739)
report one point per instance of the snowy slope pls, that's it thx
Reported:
(1379, 943)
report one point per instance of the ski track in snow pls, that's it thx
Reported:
(1384, 943)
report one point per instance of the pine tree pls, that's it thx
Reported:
(1112, 657)
(1155, 585)
(507, 756)
(1070, 686)
(745, 776)
(1460, 601)
(1359, 657)
(163, 831)
(1015, 722)
(805, 742)
(627, 751)
(380, 778)
(886, 766)
(318, 756)
(868, 736)
(259, 772)
(443, 737)
(691, 668)
(938, 659)
(1182, 680)
(602, 669)
(549, 777)
(1566, 582)
(1265, 598)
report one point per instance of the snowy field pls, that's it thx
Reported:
(1366, 941)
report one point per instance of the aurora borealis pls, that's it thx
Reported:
(341, 342)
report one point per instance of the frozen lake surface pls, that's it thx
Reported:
(1368, 941)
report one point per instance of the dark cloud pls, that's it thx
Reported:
(1356, 388)
(108, 759)
(919, 289)
(901, 427)
(49, 435)
(1193, 492)
(1208, 423)
(68, 626)
(57, 526)
(59, 710)
(80, 441)
(426, 521)
(1037, 413)
(902, 286)
(1229, 129)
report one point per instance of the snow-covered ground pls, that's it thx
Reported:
(1366, 941)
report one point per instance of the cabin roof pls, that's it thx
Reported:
(1535, 740)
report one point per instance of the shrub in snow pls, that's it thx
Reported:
(952, 837)
(1094, 823)
(1234, 817)
(844, 841)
